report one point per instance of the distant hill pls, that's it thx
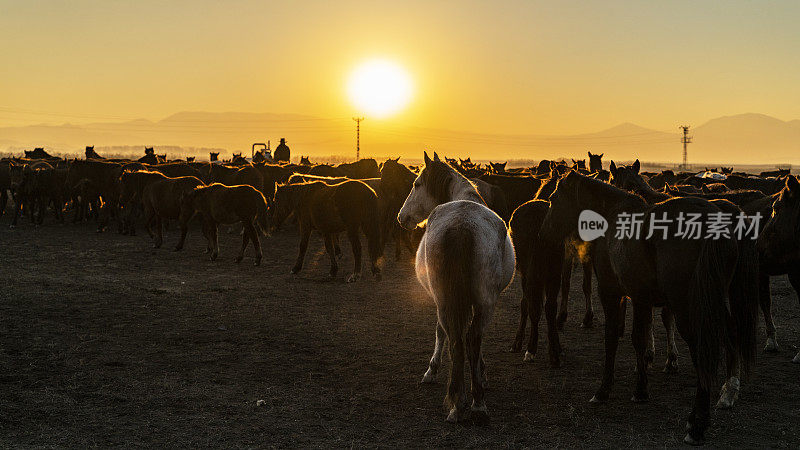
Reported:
(744, 138)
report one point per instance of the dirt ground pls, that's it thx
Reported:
(105, 341)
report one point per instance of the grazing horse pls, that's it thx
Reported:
(714, 300)
(464, 261)
(778, 242)
(332, 209)
(220, 204)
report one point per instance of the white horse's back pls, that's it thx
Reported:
(492, 262)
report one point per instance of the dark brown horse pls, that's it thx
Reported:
(778, 242)
(220, 204)
(348, 207)
(535, 259)
(653, 272)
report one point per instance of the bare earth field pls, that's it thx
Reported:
(105, 341)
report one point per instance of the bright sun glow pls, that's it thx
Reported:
(379, 88)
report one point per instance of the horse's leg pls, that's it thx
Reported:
(730, 390)
(765, 301)
(255, 240)
(455, 387)
(184, 226)
(480, 321)
(212, 228)
(523, 316)
(671, 366)
(3, 201)
(650, 349)
(305, 234)
(794, 279)
(642, 327)
(551, 310)
(436, 360)
(337, 248)
(375, 247)
(701, 410)
(355, 243)
(245, 241)
(159, 233)
(206, 226)
(566, 274)
(610, 300)
(588, 318)
(535, 295)
(332, 255)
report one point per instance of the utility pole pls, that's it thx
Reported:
(686, 140)
(358, 137)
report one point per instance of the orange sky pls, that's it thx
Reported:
(524, 67)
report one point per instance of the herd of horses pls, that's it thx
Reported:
(471, 228)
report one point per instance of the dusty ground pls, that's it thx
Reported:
(105, 341)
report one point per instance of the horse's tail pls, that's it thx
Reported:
(744, 301)
(709, 284)
(455, 270)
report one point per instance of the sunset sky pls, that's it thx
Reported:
(519, 67)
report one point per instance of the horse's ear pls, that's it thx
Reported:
(427, 159)
(589, 153)
(397, 159)
(612, 168)
(436, 156)
(601, 155)
(636, 166)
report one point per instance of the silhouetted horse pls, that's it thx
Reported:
(331, 209)
(752, 202)
(220, 204)
(595, 162)
(534, 260)
(653, 272)
(779, 242)
(464, 261)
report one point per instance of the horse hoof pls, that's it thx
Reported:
(479, 413)
(688, 439)
(257, 262)
(587, 323)
(599, 398)
(796, 359)
(353, 278)
(528, 356)
(177, 249)
(237, 260)
(771, 346)
(728, 394)
(640, 398)
(295, 270)
(429, 377)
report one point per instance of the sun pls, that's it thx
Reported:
(379, 88)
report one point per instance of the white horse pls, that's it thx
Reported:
(465, 260)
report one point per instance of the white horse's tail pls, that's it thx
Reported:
(456, 276)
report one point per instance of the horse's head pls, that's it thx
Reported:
(396, 179)
(304, 161)
(281, 205)
(498, 167)
(190, 159)
(213, 156)
(595, 162)
(430, 189)
(562, 216)
(149, 151)
(625, 177)
(778, 242)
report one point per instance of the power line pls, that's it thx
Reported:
(358, 137)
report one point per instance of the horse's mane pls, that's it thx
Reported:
(439, 177)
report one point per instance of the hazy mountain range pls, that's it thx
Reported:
(744, 138)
